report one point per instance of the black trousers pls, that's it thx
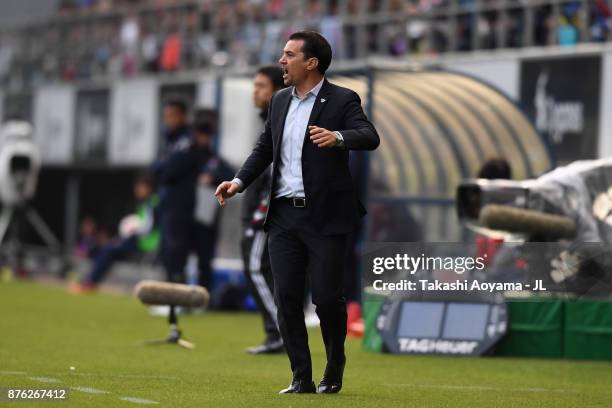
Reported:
(258, 273)
(298, 250)
(182, 235)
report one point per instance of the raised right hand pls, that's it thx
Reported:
(226, 190)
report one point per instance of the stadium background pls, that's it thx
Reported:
(92, 76)
(89, 72)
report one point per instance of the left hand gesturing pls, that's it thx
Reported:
(322, 137)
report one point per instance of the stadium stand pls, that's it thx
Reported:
(88, 39)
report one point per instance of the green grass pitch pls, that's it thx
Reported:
(44, 331)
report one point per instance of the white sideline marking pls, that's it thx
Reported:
(46, 380)
(90, 390)
(481, 388)
(135, 376)
(138, 400)
(12, 372)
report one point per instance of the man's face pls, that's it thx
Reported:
(202, 139)
(262, 91)
(142, 190)
(173, 117)
(296, 68)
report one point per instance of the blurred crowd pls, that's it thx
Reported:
(110, 38)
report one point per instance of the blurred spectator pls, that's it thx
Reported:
(87, 243)
(495, 168)
(543, 23)
(150, 52)
(567, 31)
(600, 21)
(124, 37)
(515, 28)
(128, 40)
(139, 233)
(331, 28)
(171, 52)
(6, 58)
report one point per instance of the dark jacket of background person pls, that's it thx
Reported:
(177, 171)
(212, 164)
(203, 237)
(255, 201)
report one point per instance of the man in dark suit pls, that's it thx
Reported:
(311, 127)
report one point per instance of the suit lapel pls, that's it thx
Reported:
(284, 103)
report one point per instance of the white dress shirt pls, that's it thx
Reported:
(290, 183)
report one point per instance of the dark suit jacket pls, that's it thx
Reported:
(331, 198)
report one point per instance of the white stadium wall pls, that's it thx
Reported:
(605, 124)
(502, 74)
(206, 96)
(240, 123)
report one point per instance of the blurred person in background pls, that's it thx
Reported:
(600, 21)
(254, 245)
(139, 234)
(170, 58)
(86, 245)
(496, 168)
(212, 171)
(186, 165)
(129, 37)
(177, 170)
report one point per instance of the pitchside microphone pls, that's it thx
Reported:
(175, 294)
(172, 294)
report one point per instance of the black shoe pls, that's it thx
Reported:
(329, 387)
(331, 383)
(268, 347)
(300, 387)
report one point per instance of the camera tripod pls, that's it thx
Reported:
(16, 216)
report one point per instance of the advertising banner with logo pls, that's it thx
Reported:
(54, 123)
(134, 108)
(92, 126)
(562, 96)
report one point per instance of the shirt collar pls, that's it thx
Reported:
(314, 91)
